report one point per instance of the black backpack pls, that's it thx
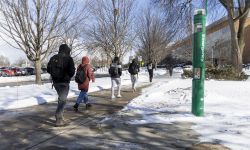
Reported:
(133, 69)
(80, 76)
(56, 67)
(113, 70)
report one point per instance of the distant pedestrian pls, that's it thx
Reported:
(61, 68)
(83, 76)
(150, 68)
(134, 69)
(169, 67)
(115, 72)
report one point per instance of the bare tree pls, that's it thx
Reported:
(74, 29)
(4, 61)
(111, 30)
(154, 35)
(34, 26)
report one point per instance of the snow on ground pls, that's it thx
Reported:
(29, 95)
(167, 100)
(227, 105)
(22, 78)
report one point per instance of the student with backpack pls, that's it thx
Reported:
(133, 69)
(61, 68)
(83, 75)
(115, 72)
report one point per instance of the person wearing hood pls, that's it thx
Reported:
(61, 68)
(84, 86)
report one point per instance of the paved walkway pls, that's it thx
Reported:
(33, 128)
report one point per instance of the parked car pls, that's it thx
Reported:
(17, 71)
(188, 67)
(29, 71)
(44, 70)
(7, 72)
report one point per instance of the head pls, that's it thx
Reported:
(64, 49)
(85, 60)
(134, 60)
(116, 60)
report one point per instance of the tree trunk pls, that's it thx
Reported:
(236, 51)
(38, 71)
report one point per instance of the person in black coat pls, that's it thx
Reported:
(115, 72)
(134, 69)
(150, 68)
(61, 68)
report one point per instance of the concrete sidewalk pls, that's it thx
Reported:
(33, 128)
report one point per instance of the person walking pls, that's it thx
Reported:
(170, 69)
(115, 72)
(150, 68)
(134, 69)
(83, 85)
(61, 68)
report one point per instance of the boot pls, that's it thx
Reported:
(76, 107)
(88, 105)
(59, 114)
(60, 122)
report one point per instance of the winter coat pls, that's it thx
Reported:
(68, 65)
(150, 68)
(89, 74)
(118, 66)
(134, 68)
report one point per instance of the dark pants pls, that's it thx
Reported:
(62, 90)
(170, 72)
(150, 74)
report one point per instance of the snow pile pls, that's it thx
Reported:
(227, 105)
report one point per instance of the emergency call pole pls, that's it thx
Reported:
(199, 42)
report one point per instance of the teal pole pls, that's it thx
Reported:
(199, 43)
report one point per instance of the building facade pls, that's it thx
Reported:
(218, 44)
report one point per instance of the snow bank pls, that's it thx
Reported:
(227, 105)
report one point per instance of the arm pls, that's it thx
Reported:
(90, 73)
(120, 69)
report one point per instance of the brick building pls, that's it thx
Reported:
(218, 44)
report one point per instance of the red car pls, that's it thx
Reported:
(7, 72)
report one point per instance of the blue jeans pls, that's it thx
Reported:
(83, 97)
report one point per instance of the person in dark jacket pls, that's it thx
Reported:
(134, 69)
(169, 67)
(150, 68)
(84, 87)
(61, 81)
(115, 72)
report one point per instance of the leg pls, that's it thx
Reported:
(78, 101)
(86, 100)
(112, 88)
(62, 91)
(118, 82)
